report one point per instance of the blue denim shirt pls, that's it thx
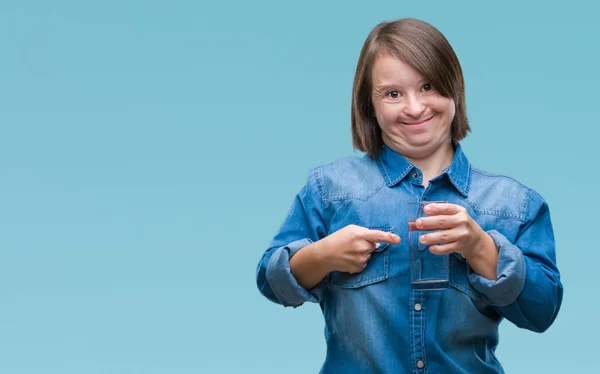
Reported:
(374, 321)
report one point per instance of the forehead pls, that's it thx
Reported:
(389, 69)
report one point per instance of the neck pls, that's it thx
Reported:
(434, 163)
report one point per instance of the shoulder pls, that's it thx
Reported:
(502, 195)
(482, 179)
(347, 178)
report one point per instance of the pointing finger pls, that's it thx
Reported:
(378, 236)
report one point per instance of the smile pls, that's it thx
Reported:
(418, 123)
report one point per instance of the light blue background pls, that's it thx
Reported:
(149, 151)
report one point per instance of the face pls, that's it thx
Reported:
(415, 119)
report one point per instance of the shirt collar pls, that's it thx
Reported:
(394, 168)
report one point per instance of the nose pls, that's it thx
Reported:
(414, 107)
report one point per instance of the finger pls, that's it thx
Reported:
(441, 237)
(443, 222)
(374, 246)
(444, 249)
(435, 209)
(367, 247)
(378, 236)
(358, 268)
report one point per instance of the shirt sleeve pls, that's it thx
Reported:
(528, 291)
(304, 224)
(510, 272)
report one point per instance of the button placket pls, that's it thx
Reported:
(428, 191)
(417, 330)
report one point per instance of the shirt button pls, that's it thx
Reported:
(420, 364)
(418, 307)
(415, 174)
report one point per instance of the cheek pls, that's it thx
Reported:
(384, 114)
(378, 113)
(451, 110)
(446, 107)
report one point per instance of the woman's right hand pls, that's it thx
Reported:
(349, 249)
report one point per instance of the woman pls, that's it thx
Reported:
(340, 245)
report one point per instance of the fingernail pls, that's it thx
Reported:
(422, 239)
(419, 223)
(377, 245)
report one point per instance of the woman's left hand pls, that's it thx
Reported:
(458, 231)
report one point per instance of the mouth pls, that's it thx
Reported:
(418, 123)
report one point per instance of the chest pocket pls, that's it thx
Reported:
(376, 271)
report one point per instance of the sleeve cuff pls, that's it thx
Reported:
(510, 273)
(282, 282)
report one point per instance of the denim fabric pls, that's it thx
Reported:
(374, 321)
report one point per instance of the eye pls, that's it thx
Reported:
(427, 87)
(393, 95)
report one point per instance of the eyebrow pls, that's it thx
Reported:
(384, 87)
(387, 86)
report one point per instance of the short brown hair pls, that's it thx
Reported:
(426, 50)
